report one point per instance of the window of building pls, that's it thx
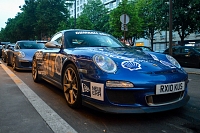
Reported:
(77, 2)
(81, 8)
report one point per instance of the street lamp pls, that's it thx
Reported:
(74, 14)
(170, 27)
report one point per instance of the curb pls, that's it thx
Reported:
(193, 73)
(192, 70)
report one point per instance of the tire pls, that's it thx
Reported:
(13, 63)
(8, 64)
(4, 58)
(35, 75)
(71, 86)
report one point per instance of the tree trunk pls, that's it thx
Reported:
(151, 43)
(182, 41)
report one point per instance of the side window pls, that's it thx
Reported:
(185, 50)
(57, 38)
(16, 46)
(176, 50)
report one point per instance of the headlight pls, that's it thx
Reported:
(105, 63)
(21, 54)
(173, 61)
(119, 84)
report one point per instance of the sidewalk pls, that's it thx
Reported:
(22, 111)
(16, 112)
(192, 70)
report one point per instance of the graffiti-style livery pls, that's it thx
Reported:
(94, 69)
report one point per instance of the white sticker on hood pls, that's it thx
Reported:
(131, 65)
(163, 62)
(154, 57)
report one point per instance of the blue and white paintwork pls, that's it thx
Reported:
(116, 79)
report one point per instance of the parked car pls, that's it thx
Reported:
(5, 51)
(1, 47)
(188, 56)
(20, 58)
(143, 48)
(96, 70)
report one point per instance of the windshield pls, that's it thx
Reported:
(197, 49)
(91, 39)
(31, 45)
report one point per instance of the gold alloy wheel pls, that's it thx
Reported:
(13, 63)
(34, 70)
(71, 86)
(36, 77)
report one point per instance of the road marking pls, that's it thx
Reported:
(55, 122)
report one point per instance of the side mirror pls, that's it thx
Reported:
(53, 44)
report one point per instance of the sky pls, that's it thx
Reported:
(9, 9)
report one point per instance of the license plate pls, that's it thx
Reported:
(170, 88)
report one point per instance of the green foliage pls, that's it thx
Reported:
(134, 25)
(97, 14)
(149, 17)
(39, 19)
(49, 14)
(186, 17)
(83, 22)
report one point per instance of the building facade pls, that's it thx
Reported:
(77, 7)
(161, 40)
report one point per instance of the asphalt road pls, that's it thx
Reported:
(85, 120)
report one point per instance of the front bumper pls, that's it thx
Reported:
(146, 109)
(24, 65)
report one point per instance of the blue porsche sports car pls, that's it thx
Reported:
(94, 69)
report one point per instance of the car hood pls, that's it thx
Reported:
(130, 59)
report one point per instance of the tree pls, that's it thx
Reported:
(83, 22)
(97, 14)
(14, 29)
(147, 12)
(39, 19)
(134, 26)
(63, 25)
(28, 20)
(186, 17)
(49, 14)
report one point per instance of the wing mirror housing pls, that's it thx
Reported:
(52, 44)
